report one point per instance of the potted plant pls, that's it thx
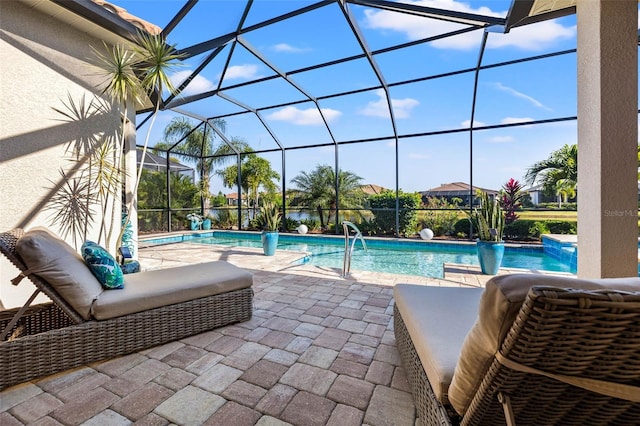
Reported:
(196, 221)
(489, 220)
(206, 223)
(269, 221)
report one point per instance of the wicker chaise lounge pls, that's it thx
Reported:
(155, 307)
(526, 350)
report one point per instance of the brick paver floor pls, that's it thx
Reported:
(319, 350)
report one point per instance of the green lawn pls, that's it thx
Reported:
(548, 215)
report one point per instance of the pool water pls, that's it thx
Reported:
(396, 257)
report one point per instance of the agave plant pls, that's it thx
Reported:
(488, 218)
(269, 217)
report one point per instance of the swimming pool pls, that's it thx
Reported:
(408, 257)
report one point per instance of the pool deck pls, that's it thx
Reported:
(319, 350)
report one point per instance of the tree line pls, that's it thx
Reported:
(313, 190)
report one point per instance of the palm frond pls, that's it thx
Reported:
(157, 59)
(117, 65)
(106, 174)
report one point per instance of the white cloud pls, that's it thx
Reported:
(417, 156)
(287, 48)
(476, 123)
(512, 120)
(517, 94)
(530, 37)
(401, 107)
(241, 72)
(304, 117)
(198, 85)
(501, 139)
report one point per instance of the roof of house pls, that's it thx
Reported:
(454, 188)
(372, 189)
(122, 13)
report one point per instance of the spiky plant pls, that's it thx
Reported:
(489, 218)
(269, 217)
(511, 199)
(154, 61)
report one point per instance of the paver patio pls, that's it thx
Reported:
(319, 350)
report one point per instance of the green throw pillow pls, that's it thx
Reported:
(103, 265)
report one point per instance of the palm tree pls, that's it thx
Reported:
(200, 143)
(255, 173)
(118, 68)
(317, 191)
(562, 165)
(132, 75)
(565, 189)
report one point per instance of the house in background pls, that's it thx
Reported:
(232, 199)
(535, 194)
(453, 190)
(372, 189)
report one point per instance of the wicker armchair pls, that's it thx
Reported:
(44, 339)
(570, 357)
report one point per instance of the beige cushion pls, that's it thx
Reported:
(60, 265)
(438, 319)
(161, 287)
(499, 307)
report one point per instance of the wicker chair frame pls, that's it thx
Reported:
(52, 337)
(561, 335)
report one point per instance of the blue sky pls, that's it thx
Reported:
(523, 92)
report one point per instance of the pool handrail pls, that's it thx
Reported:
(348, 250)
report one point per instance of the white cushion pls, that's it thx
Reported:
(161, 287)
(61, 266)
(438, 319)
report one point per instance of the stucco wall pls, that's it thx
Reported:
(44, 65)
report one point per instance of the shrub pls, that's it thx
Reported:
(519, 229)
(554, 206)
(368, 227)
(290, 224)
(537, 229)
(523, 229)
(562, 226)
(461, 228)
(312, 224)
(225, 219)
(441, 222)
(383, 207)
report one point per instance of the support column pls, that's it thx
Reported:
(607, 138)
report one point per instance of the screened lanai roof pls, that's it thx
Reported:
(156, 162)
(290, 75)
(263, 66)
